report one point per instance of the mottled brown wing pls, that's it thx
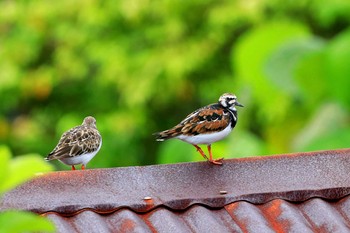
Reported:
(77, 141)
(207, 121)
(204, 120)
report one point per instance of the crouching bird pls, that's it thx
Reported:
(78, 145)
(206, 125)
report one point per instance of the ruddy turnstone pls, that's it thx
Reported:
(206, 125)
(78, 145)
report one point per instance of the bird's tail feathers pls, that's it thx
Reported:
(166, 134)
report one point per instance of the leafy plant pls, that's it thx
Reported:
(12, 173)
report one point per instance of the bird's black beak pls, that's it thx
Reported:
(238, 104)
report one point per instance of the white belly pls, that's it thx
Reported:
(81, 159)
(206, 138)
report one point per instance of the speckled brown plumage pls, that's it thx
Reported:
(211, 118)
(206, 125)
(77, 142)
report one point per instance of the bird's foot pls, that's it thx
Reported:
(216, 161)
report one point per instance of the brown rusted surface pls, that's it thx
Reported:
(313, 215)
(302, 192)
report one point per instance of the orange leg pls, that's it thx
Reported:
(73, 168)
(82, 167)
(201, 151)
(214, 161)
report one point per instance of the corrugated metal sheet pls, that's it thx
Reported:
(304, 192)
(313, 215)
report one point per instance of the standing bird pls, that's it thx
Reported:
(78, 145)
(206, 125)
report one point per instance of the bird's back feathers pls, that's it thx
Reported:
(76, 141)
(206, 120)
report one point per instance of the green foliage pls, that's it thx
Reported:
(142, 66)
(15, 171)
(12, 173)
(15, 221)
(5, 156)
(252, 58)
(338, 69)
(22, 168)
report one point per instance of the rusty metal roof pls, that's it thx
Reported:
(301, 192)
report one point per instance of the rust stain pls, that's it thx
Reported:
(272, 212)
(128, 225)
(145, 218)
(231, 209)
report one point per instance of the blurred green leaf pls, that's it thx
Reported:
(5, 156)
(16, 221)
(338, 69)
(335, 139)
(23, 168)
(281, 64)
(12, 173)
(328, 12)
(328, 119)
(311, 71)
(251, 60)
(243, 144)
